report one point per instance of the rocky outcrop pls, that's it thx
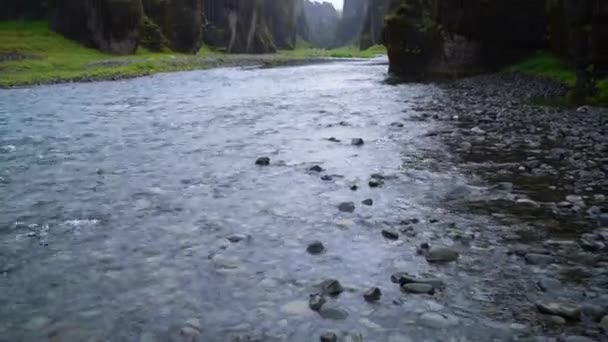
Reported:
(109, 25)
(351, 24)
(22, 9)
(321, 23)
(374, 21)
(281, 17)
(426, 38)
(180, 22)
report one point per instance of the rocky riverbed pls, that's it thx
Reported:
(313, 203)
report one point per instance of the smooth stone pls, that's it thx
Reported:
(331, 287)
(466, 145)
(595, 312)
(333, 139)
(316, 302)
(375, 183)
(329, 337)
(556, 320)
(539, 259)
(347, 207)
(418, 288)
(437, 320)
(442, 254)
(354, 188)
(549, 285)
(368, 202)
(315, 247)
(390, 234)
(527, 203)
(316, 168)
(357, 142)
(604, 323)
(263, 161)
(477, 130)
(559, 309)
(333, 313)
(403, 278)
(235, 238)
(327, 178)
(373, 294)
(591, 245)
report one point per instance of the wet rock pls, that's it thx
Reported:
(357, 142)
(604, 323)
(377, 176)
(315, 247)
(593, 311)
(375, 183)
(556, 320)
(582, 109)
(327, 178)
(477, 130)
(236, 238)
(347, 207)
(441, 255)
(316, 168)
(396, 124)
(263, 161)
(354, 188)
(331, 287)
(390, 234)
(539, 259)
(549, 284)
(368, 202)
(465, 146)
(316, 302)
(590, 245)
(335, 314)
(372, 295)
(527, 203)
(437, 320)
(333, 139)
(567, 311)
(329, 337)
(418, 288)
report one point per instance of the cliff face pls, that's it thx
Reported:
(374, 21)
(442, 37)
(281, 17)
(22, 9)
(109, 25)
(351, 24)
(322, 23)
(180, 23)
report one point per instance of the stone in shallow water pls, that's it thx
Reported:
(357, 142)
(437, 320)
(539, 259)
(441, 254)
(329, 337)
(368, 202)
(347, 207)
(373, 294)
(327, 178)
(315, 247)
(235, 238)
(604, 323)
(593, 311)
(390, 234)
(549, 284)
(316, 302)
(331, 287)
(336, 314)
(567, 311)
(375, 183)
(263, 161)
(316, 168)
(418, 288)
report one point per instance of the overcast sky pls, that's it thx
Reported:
(337, 3)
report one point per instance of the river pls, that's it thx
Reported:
(133, 211)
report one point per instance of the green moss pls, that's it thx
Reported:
(343, 52)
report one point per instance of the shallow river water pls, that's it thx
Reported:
(118, 198)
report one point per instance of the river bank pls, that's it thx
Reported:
(31, 54)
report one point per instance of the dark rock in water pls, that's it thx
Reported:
(375, 183)
(316, 168)
(316, 302)
(567, 311)
(539, 259)
(354, 188)
(111, 26)
(315, 247)
(396, 124)
(333, 139)
(329, 337)
(327, 178)
(347, 207)
(390, 234)
(357, 142)
(373, 294)
(549, 284)
(441, 254)
(331, 287)
(235, 238)
(403, 278)
(418, 288)
(368, 202)
(425, 245)
(333, 313)
(591, 245)
(263, 161)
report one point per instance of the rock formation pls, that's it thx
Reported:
(321, 23)
(109, 25)
(374, 21)
(180, 22)
(351, 24)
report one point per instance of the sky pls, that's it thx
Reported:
(337, 3)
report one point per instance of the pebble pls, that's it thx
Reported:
(549, 284)
(316, 168)
(315, 247)
(327, 178)
(236, 238)
(441, 254)
(333, 139)
(263, 161)
(390, 234)
(375, 183)
(331, 287)
(418, 288)
(368, 202)
(539, 259)
(354, 188)
(477, 130)
(373, 294)
(556, 320)
(329, 337)
(567, 311)
(347, 207)
(593, 311)
(438, 321)
(357, 142)
(316, 302)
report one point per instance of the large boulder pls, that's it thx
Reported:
(109, 25)
(180, 21)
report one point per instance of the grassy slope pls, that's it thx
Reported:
(546, 65)
(52, 58)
